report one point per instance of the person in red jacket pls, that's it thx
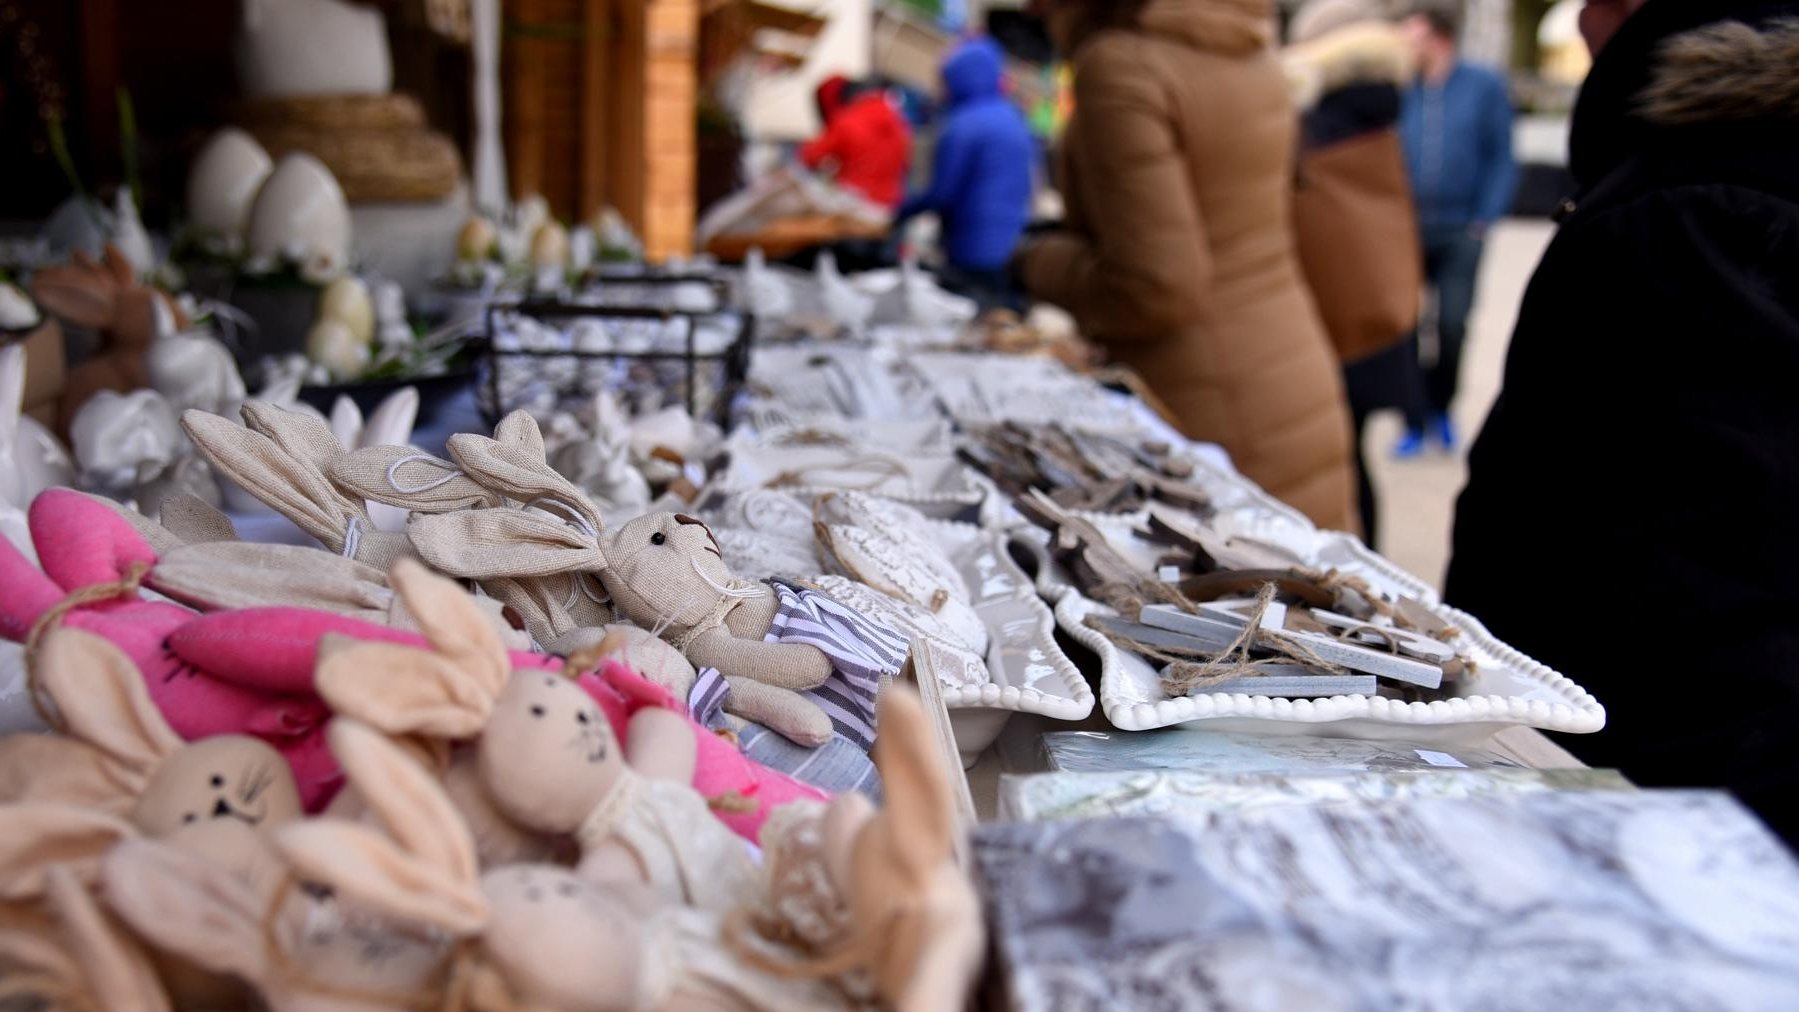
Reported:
(865, 137)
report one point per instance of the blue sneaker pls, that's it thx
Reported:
(1410, 446)
(1443, 431)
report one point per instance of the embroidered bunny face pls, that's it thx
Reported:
(549, 739)
(665, 568)
(542, 919)
(229, 777)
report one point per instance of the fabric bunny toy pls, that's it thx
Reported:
(546, 939)
(664, 571)
(281, 457)
(93, 561)
(552, 605)
(58, 947)
(546, 752)
(291, 941)
(877, 890)
(96, 692)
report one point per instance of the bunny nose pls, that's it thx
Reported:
(221, 808)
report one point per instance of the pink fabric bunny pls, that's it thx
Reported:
(280, 646)
(84, 544)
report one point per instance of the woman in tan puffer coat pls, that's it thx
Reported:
(1178, 256)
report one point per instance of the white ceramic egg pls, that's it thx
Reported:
(331, 344)
(300, 214)
(222, 185)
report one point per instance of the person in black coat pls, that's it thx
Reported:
(1631, 516)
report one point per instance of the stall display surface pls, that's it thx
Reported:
(1113, 679)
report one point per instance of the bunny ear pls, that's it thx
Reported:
(403, 690)
(234, 574)
(83, 539)
(52, 768)
(409, 479)
(118, 971)
(118, 265)
(195, 521)
(920, 807)
(303, 436)
(290, 485)
(490, 543)
(158, 538)
(423, 871)
(101, 697)
(521, 431)
(79, 293)
(520, 472)
(38, 837)
(392, 421)
(189, 905)
(453, 623)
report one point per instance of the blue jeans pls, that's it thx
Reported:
(1451, 262)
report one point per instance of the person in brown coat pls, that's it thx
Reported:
(1177, 253)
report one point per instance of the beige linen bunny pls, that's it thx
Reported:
(546, 755)
(553, 605)
(58, 947)
(281, 457)
(120, 754)
(544, 939)
(291, 941)
(663, 571)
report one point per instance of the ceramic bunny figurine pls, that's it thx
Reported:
(107, 297)
(598, 459)
(192, 368)
(281, 457)
(546, 753)
(31, 458)
(545, 938)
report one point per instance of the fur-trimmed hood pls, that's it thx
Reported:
(1679, 65)
(1368, 52)
(1725, 71)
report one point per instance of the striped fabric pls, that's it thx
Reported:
(862, 653)
(706, 700)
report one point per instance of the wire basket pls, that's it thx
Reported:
(547, 355)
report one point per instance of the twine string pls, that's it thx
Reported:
(125, 586)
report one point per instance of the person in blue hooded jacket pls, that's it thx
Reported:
(980, 175)
(1456, 123)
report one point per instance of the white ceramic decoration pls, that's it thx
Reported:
(121, 439)
(31, 458)
(348, 301)
(597, 457)
(294, 48)
(764, 293)
(389, 425)
(848, 308)
(222, 185)
(332, 344)
(300, 215)
(583, 248)
(193, 369)
(129, 235)
(17, 311)
(391, 328)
